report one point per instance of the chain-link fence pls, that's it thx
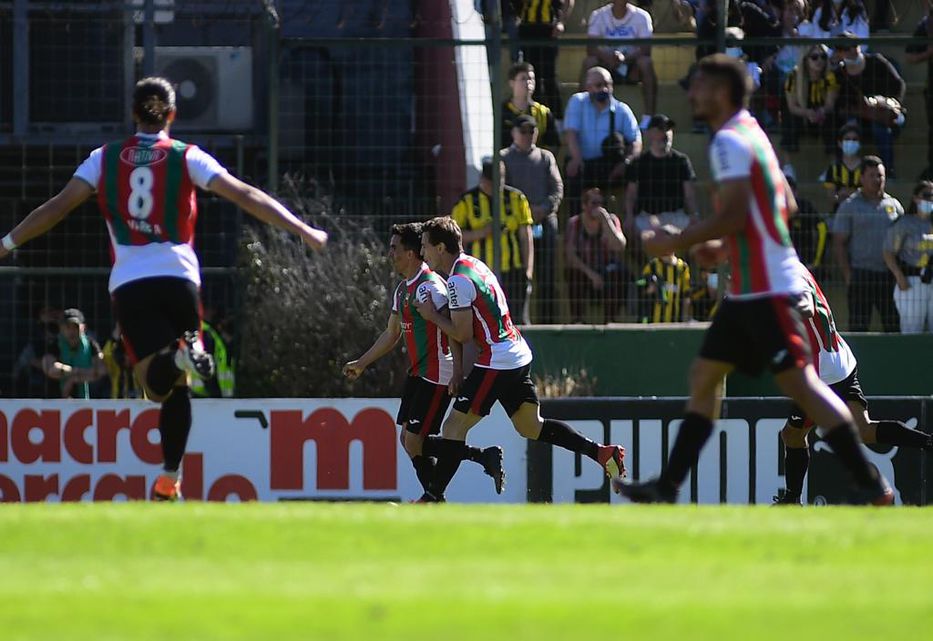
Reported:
(388, 112)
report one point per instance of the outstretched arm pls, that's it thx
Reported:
(383, 345)
(264, 207)
(48, 214)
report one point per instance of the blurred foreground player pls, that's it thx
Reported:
(433, 364)
(759, 324)
(479, 312)
(836, 365)
(145, 187)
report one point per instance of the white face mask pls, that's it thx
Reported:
(850, 147)
(734, 52)
(712, 281)
(925, 207)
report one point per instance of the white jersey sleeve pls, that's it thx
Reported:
(730, 157)
(202, 167)
(89, 170)
(436, 291)
(460, 292)
(395, 297)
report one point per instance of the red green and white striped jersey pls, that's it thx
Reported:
(472, 285)
(832, 357)
(762, 256)
(428, 351)
(146, 192)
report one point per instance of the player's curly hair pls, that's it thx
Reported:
(153, 100)
(410, 236)
(444, 230)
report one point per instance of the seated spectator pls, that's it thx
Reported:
(843, 176)
(872, 92)
(533, 171)
(601, 135)
(833, 17)
(666, 290)
(119, 368)
(522, 83)
(810, 92)
(473, 212)
(75, 358)
(629, 63)
(918, 54)
(660, 183)
(859, 230)
(908, 247)
(594, 243)
(809, 230)
(29, 379)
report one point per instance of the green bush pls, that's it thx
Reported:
(304, 314)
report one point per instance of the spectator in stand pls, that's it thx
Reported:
(660, 180)
(859, 231)
(119, 368)
(917, 54)
(522, 82)
(602, 136)
(533, 171)
(666, 290)
(74, 360)
(704, 299)
(908, 247)
(833, 17)
(629, 63)
(29, 376)
(544, 20)
(473, 212)
(808, 229)
(594, 244)
(810, 92)
(844, 176)
(872, 92)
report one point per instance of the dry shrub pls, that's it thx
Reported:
(566, 383)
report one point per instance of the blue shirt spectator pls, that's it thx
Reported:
(591, 122)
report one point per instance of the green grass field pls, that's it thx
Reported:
(450, 572)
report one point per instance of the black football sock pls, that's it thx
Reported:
(694, 432)
(424, 468)
(162, 373)
(559, 433)
(796, 462)
(844, 442)
(471, 453)
(896, 433)
(450, 454)
(174, 426)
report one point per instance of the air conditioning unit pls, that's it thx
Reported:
(213, 86)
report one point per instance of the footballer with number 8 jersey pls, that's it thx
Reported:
(145, 187)
(836, 365)
(502, 371)
(759, 325)
(432, 362)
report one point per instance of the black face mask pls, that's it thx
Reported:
(602, 96)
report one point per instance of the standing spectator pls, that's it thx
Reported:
(859, 230)
(473, 212)
(872, 91)
(833, 17)
(522, 81)
(123, 382)
(808, 230)
(594, 243)
(533, 171)
(810, 91)
(29, 376)
(544, 20)
(907, 250)
(602, 135)
(844, 176)
(660, 182)
(917, 54)
(667, 290)
(75, 358)
(629, 63)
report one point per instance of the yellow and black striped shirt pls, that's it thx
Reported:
(472, 212)
(542, 11)
(673, 286)
(838, 176)
(547, 130)
(818, 89)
